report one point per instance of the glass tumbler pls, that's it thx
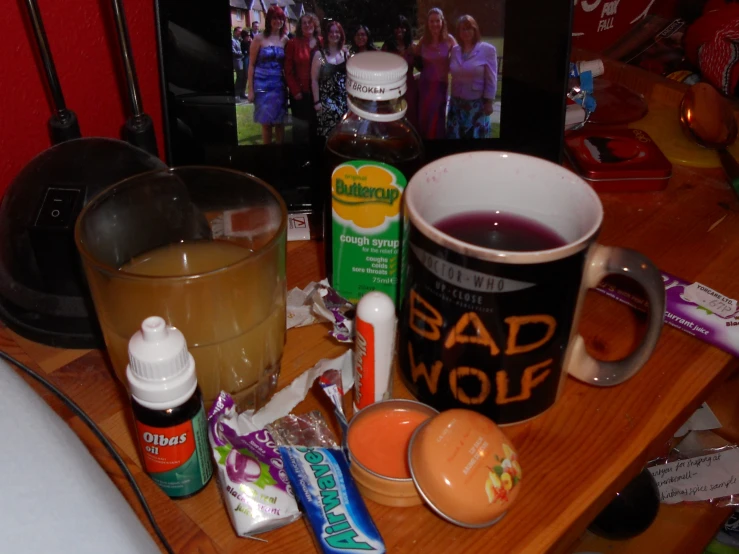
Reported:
(204, 248)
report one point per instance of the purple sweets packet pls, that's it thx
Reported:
(252, 480)
(693, 308)
(337, 310)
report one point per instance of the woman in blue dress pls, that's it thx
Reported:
(266, 83)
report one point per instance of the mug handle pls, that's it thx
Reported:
(603, 261)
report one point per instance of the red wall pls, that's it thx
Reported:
(86, 52)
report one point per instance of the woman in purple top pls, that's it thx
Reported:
(474, 69)
(433, 83)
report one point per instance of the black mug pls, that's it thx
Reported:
(492, 327)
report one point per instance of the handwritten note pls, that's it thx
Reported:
(706, 297)
(699, 478)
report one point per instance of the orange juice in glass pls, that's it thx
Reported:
(204, 248)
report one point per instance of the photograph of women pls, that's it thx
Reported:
(289, 62)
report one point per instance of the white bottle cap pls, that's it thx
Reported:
(595, 67)
(161, 372)
(376, 76)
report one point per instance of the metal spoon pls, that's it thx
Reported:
(709, 119)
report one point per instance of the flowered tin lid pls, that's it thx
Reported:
(465, 468)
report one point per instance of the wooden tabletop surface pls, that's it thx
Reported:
(575, 457)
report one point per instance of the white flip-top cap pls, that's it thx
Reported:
(161, 372)
(376, 76)
(595, 67)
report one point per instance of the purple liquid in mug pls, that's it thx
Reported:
(500, 231)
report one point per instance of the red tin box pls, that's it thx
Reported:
(618, 160)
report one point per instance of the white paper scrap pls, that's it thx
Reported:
(700, 478)
(707, 298)
(299, 312)
(317, 303)
(284, 401)
(298, 226)
(703, 419)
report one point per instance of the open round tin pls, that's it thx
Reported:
(458, 462)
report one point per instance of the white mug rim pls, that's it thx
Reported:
(491, 254)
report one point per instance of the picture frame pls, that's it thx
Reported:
(205, 122)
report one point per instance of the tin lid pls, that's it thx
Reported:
(464, 468)
(616, 154)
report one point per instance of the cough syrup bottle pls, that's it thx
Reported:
(371, 154)
(171, 428)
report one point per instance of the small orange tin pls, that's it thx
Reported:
(378, 439)
(465, 468)
(459, 462)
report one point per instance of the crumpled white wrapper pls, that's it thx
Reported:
(300, 306)
(319, 302)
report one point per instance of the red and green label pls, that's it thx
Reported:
(177, 458)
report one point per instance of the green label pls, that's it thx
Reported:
(365, 201)
(191, 464)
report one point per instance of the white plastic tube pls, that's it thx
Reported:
(374, 348)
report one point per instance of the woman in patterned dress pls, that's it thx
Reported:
(266, 82)
(434, 49)
(328, 80)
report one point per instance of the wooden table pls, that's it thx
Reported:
(574, 458)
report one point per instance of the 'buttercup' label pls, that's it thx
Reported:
(365, 201)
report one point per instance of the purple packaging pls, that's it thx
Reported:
(694, 308)
(251, 473)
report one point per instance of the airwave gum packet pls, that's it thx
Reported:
(320, 475)
(694, 308)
